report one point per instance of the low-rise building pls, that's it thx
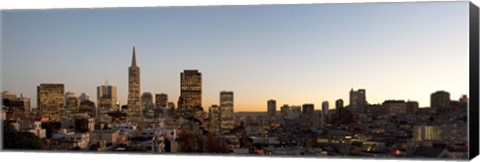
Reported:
(109, 136)
(37, 130)
(440, 133)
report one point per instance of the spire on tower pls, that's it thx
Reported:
(134, 60)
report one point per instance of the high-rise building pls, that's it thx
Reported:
(171, 105)
(106, 99)
(440, 101)
(88, 107)
(134, 101)
(358, 101)
(148, 105)
(72, 104)
(317, 119)
(161, 100)
(339, 104)
(395, 107)
(296, 109)
(180, 103)
(107, 96)
(26, 103)
(69, 94)
(226, 108)
(13, 107)
(308, 111)
(325, 108)
(412, 107)
(147, 98)
(284, 110)
(214, 119)
(190, 89)
(308, 108)
(50, 101)
(9, 95)
(271, 108)
(463, 100)
(84, 96)
(339, 108)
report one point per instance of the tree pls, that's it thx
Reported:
(190, 141)
(216, 145)
(13, 139)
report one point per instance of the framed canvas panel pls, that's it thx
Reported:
(375, 81)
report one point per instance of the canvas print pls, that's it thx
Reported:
(358, 80)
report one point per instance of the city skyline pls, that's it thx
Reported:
(292, 63)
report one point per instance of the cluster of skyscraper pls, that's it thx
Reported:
(54, 103)
(358, 104)
(439, 102)
(221, 118)
(350, 129)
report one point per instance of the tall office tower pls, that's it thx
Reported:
(338, 107)
(271, 108)
(308, 108)
(9, 95)
(148, 105)
(463, 99)
(147, 98)
(69, 94)
(325, 109)
(50, 101)
(88, 107)
(161, 100)
(214, 117)
(107, 97)
(134, 101)
(14, 108)
(284, 110)
(296, 109)
(190, 89)
(358, 101)
(26, 103)
(308, 111)
(180, 103)
(395, 107)
(171, 108)
(72, 104)
(412, 107)
(338, 104)
(317, 119)
(84, 97)
(440, 101)
(171, 105)
(227, 115)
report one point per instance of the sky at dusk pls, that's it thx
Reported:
(294, 54)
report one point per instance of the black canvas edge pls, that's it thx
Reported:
(473, 113)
